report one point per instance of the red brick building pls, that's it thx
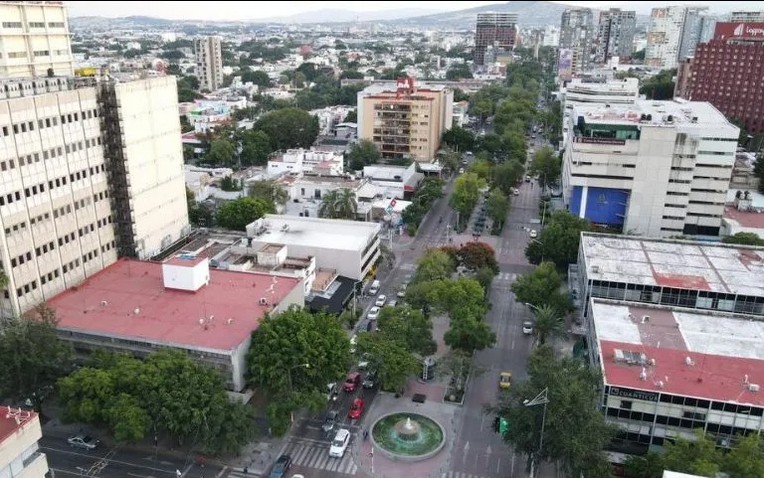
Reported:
(728, 72)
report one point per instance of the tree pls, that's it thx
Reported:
(238, 213)
(410, 326)
(433, 265)
(268, 190)
(363, 154)
(541, 287)
(458, 71)
(546, 165)
(338, 204)
(289, 128)
(461, 139)
(483, 168)
(548, 323)
(697, 457)
(34, 357)
(294, 355)
(390, 358)
(746, 459)
(230, 184)
(255, 148)
(507, 174)
(497, 206)
(744, 238)
(485, 276)
(469, 334)
(575, 432)
(461, 298)
(558, 241)
(185, 126)
(258, 77)
(352, 117)
(476, 255)
(466, 193)
(198, 214)
(222, 152)
(660, 86)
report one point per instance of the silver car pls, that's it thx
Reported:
(85, 442)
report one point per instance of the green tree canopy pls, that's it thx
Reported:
(289, 128)
(458, 71)
(34, 358)
(410, 326)
(294, 355)
(477, 255)
(558, 241)
(497, 206)
(363, 154)
(434, 264)
(338, 204)
(507, 174)
(547, 166)
(168, 393)
(575, 432)
(549, 323)
(541, 287)
(390, 358)
(268, 190)
(461, 139)
(258, 77)
(255, 148)
(238, 213)
(222, 153)
(660, 86)
(483, 168)
(744, 238)
(469, 334)
(466, 193)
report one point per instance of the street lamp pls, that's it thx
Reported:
(289, 377)
(541, 399)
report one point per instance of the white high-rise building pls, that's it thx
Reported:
(34, 40)
(655, 168)
(86, 171)
(673, 33)
(209, 62)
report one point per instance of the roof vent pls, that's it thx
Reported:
(595, 269)
(104, 303)
(643, 374)
(660, 384)
(688, 361)
(263, 301)
(137, 311)
(645, 319)
(753, 387)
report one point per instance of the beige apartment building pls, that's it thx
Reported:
(20, 455)
(404, 120)
(209, 62)
(34, 38)
(87, 170)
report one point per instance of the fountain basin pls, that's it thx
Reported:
(407, 437)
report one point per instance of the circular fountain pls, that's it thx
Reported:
(408, 436)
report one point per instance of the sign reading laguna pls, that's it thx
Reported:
(727, 30)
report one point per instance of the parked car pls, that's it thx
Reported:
(373, 313)
(281, 467)
(352, 382)
(330, 421)
(86, 442)
(374, 287)
(392, 303)
(505, 380)
(402, 290)
(340, 443)
(381, 300)
(527, 327)
(356, 409)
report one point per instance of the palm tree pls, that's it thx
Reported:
(548, 324)
(338, 204)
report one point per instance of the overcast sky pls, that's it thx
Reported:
(257, 10)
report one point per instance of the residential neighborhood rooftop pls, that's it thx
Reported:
(317, 232)
(725, 268)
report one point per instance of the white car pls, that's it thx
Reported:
(534, 234)
(381, 301)
(85, 442)
(340, 443)
(373, 313)
(353, 343)
(527, 327)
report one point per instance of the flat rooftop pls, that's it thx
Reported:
(696, 265)
(128, 300)
(8, 417)
(746, 219)
(317, 232)
(682, 113)
(696, 354)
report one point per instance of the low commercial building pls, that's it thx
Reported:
(20, 454)
(349, 247)
(306, 193)
(655, 168)
(692, 274)
(669, 372)
(141, 307)
(306, 161)
(399, 182)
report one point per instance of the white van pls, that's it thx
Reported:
(374, 287)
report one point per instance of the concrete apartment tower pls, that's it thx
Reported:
(209, 62)
(495, 30)
(673, 33)
(616, 34)
(577, 37)
(34, 38)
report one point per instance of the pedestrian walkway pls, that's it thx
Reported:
(314, 454)
(506, 277)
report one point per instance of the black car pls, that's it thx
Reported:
(371, 379)
(281, 467)
(330, 421)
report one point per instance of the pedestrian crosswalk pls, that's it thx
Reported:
(506, 276)
(459, 474)
(316, 455)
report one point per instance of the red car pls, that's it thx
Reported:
(356, 409)
(352, 382)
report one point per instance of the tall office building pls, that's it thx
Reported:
(34, 39)
(747, 17)
(673, 33)
(494, 30)
(77, 161)
(615, 35)
(209, 62)
(403, 120)
(577, 37)
(728, 72)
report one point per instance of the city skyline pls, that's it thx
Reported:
(229, 11)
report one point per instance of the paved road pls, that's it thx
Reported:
(116, 462)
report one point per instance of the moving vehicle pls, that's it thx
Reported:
(332, 392)
(352, 382)
(381, 300)
(534, 234)
(371, 379)
(356, 409)
(86, 442)
(527, 327)
(340, 443)
(281, 467)
(505, 380)
(330, 421)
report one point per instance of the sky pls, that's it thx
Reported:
(264, 9)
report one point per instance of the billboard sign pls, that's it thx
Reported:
(565, 65)
(739, 31)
